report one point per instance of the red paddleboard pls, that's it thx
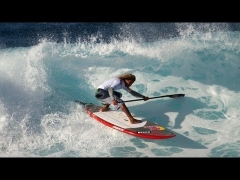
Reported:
(118, 120)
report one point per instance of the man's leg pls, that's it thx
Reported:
(127, 112)
(105, 108)
(107, 101)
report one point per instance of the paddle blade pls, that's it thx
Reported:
(176, 95)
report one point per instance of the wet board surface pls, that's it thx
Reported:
(118, 120)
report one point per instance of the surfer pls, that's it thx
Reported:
(106, 92)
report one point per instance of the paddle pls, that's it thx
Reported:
(170, 96)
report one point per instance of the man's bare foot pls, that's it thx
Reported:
(104, 108)
(135, 121)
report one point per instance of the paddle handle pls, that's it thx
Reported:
(171, 96)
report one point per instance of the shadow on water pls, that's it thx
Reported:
(179, 141)
(157, 113)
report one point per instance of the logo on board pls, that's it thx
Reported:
(152, 128)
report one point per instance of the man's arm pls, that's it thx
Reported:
(136, 94)
(111, 93)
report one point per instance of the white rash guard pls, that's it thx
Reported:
(116, 84)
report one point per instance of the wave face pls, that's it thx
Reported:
(46, 66)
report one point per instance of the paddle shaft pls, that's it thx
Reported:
(171, 96)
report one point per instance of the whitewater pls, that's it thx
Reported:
(39, 83)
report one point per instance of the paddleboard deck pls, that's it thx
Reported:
(118, 120)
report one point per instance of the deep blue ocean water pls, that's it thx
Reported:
(44, 67)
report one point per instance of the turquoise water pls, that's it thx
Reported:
(39, 83)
